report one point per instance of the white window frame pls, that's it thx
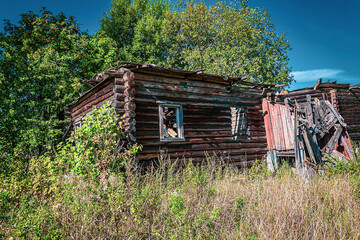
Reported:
(179, 120)
(77, 124)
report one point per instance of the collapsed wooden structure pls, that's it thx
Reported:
(191, 114)
(305, 134)
(344, 98)
(181, 113)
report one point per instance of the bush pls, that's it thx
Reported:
(96, 148)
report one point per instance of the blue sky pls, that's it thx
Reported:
(324, 35)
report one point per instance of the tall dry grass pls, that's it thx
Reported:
(211, 201)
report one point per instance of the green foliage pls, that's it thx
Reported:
(176, 205)
(89, 155)
(258, 171)
(137, 27)
(338, 166)
(42, 60)
(95, 149)
(233, 40)
(230, 40)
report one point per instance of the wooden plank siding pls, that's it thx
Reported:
(279, 126)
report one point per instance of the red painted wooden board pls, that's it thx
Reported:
(279, 126)
(268, 127)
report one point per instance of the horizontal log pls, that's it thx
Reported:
(164, 149)
(129, 92)
(188, 118)
(237, 160)
(128, 76)
(203, 116)
(195, 130)
(191, 105)
(210, 133)
(119, 96)
(119, 81)
(198, 124)
(196, 90)
(357, 134)
(130, 106)
(153, 99)
(119, 89)
(90, 105)
(129, 84)
(152, 108)
(129, 99)
(349, 108)
(85, 112)
(353, 121)
(177, 80)
(119, 105)
(196, 96)
(107, 90)
(131, 137)
(225, 143)
(189, 136)
(191, 154)
(197, 127)
(353, 126)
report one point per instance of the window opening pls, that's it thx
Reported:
(240, 123)
(171, 121)
(77, 124)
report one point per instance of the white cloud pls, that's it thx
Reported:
(312, 75)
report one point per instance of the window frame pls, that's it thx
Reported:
(77, 124)
(240, 134)
(179, 120)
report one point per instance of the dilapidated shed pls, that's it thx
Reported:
(181, 113)
(344, 98)
(306, 134)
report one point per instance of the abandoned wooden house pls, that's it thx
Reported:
(181, 113)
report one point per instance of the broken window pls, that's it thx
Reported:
(240, 123)
(77, 124)
(171, 121)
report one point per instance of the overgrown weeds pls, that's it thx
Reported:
(79, 195)
(209, 201)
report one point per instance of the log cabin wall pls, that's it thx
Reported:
(348, 102)
(300, 95)
(207, 118)
(97, 96)
(217, 118)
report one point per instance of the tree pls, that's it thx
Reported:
(42, 61)
(231, 40)
(137, 28)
